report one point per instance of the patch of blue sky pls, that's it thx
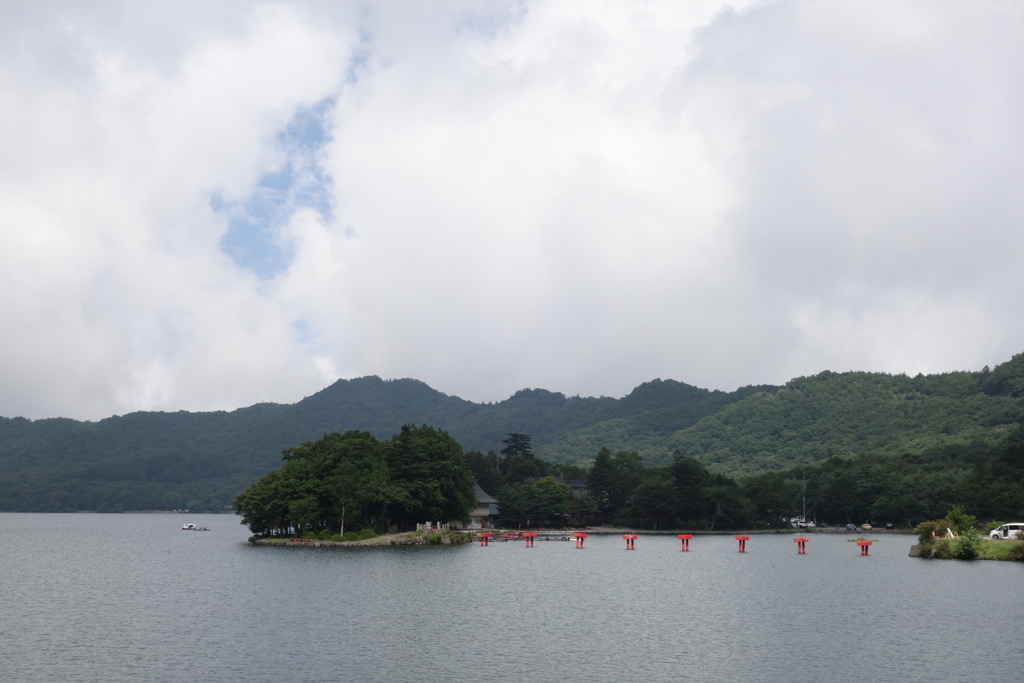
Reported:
(253, 239)
(490, 22)
(303, 332)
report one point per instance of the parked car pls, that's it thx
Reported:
(1006, 532)
(865, 526)
(851, 527)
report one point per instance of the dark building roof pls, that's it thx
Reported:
(482, 496)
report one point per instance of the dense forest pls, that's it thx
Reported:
(936, 433)
(422, 474)
(877, 489)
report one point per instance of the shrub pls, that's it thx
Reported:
(367, 533)
(967, 546)
(326, 535)
(311, 535)
(350, 536)
(939, 526)
(943, 549)
(337, 538)
(960, 520)
(1017, 552)
(924, 532)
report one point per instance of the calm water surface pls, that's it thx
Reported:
(131, 597)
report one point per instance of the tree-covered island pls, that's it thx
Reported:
(353, 480)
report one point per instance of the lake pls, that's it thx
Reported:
(132, 597)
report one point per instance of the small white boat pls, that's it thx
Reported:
(188, 526)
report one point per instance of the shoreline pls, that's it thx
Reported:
(405, 538)
(463, 536)
(746, 532)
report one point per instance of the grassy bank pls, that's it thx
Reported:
(1001, 550)
(945, 549)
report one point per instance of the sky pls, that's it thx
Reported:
(206, 205)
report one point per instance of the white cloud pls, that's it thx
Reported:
(871, 153)
(116, 295)
(575, 197)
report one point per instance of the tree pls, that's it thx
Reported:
(961, 520)
(259, 506)
(612, 479)
(653, 501)
(351, 474)
(544, 502)
(356, 486)
(519, 463)
(517, 444)
(730, 509)
(521, 468)
(513, 504)
(584, 509)
(551, 502)
(690, 478)
(774, 498)
(304, 512)
(484, 469)
(429, 476)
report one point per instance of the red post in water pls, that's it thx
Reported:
(485, 539)
(801, 545)
(685, 538)
(529, 536)
(630, 541)
(864, 545)
(579, 536)
(743, 543)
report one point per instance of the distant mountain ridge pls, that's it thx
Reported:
(155, 460)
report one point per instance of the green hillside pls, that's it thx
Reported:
(643, 421)
(832, 414)
(153, 460)
(764, 429)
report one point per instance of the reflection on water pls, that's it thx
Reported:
(129, 597)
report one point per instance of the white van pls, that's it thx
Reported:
(1006, 532)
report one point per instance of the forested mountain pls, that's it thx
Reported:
(176, 460)
(813, 418)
